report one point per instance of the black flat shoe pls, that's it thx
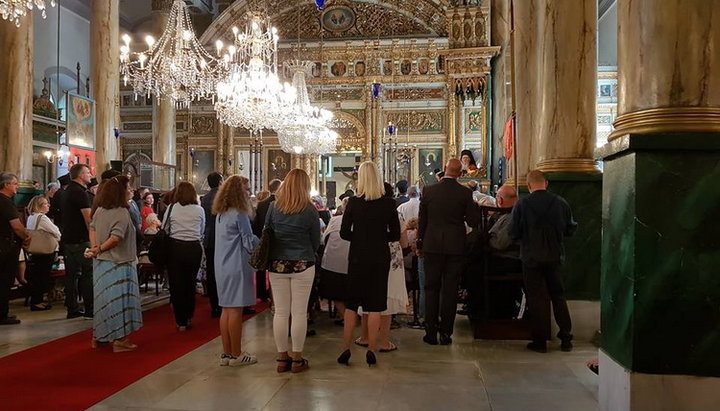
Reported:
(430, 340)
(344, 358)
(370, 358)
(445, 339)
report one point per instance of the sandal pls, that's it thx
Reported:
(284, 365)
(358, 341)
(393, 347)
(304, 365)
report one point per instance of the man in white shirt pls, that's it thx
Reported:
(411, 208)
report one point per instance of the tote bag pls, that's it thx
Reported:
(42, 241)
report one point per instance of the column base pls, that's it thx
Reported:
(622, 390)
(569, 165)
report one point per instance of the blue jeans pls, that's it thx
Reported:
(421, 280)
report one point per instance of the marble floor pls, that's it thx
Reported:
(467, 375)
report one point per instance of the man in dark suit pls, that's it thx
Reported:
(539, 223)
(445, 207)
(402, 188)
(214, 180)
(257, 226)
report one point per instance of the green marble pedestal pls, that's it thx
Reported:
(661, 258)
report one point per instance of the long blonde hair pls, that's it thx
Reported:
(294, 194)
(369, 182)
(232, 194)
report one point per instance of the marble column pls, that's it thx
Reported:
(16, 76)
(220, 156)
(230, 154)
(452, 109)
(164, 133)
(566, 112)
(501, 80)
(105, 79)
(525, 54)
(660, 248)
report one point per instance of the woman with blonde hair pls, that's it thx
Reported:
(40, 265)
(296, 237)
(234, 241)
(370, 222)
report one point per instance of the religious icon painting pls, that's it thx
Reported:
(387, 67)
(423, 66)
(338, 19)
(430, 160)
(80, 121)
(338, 69)
(278, 165)
(317, 69)
(360, 68)
(405, 67)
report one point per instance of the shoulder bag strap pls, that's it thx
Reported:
(37, 221)
(167, 225)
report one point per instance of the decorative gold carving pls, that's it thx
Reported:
(668, 120)
(416, 93)
(468, 26)
(137, 126)
(474, 122)
(418, 121)
(340, 94)
(42, 105)
(204, 125)
(568, 165)
(351, 132)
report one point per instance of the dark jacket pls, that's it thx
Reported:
(541, 207)
(370, 226)
(401, 199)
(260, 215)
(445, 207)
(206, 203)
(295, 236)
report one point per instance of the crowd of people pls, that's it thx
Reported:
(366, 256)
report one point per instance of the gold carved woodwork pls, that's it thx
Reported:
(416, 93)
(417, 121)
(350, 129)
(43, 105)
(468, 26)
(204, 125)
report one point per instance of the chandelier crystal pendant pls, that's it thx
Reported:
(176, 66)
(14, 10)
(306, 131)
(250, 94)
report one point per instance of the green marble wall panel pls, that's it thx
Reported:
(661, 260)
(581, 271)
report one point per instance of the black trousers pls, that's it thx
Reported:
(182, 269)
(39, 267)
(211, 282)
(442, 274)
(261, 290)
(536, 278)
(8, 271)
(78, 278)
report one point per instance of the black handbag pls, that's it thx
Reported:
(260, 257)
(159, 249)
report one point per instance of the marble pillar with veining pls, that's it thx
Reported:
(501, 78)
(164, 132)
(678, 88)
(105, 77)
(567, 84)
(16, 76)
(526, 89)
(230, 154)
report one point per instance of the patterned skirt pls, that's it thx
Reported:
(117, 300)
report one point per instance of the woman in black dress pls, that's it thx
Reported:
(370, 222)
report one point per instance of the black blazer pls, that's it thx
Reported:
(445, 207)
(370, 226)
(262, 208)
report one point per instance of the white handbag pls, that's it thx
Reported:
(42, 242)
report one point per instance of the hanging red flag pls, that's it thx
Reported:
(508, 138)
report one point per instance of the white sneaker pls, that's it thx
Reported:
(243, 359)
(225, 360)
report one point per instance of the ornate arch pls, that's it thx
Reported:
(351, 131)
(374, 18)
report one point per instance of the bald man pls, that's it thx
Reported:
(539, 223)
(445, 207)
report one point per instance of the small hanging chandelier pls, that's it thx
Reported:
(250, 94)
(176, 66)
(14, 10)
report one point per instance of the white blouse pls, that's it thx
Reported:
(44, 224)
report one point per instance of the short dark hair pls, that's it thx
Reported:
(402, 186)
(389, 192)
(274, 185)
(185, 194)
(108, 174)
(112, 194)
(214, 179)
(77, 169)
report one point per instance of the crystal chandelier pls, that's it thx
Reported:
(250, 94)
(14, 10)
(175, 67)
(306, 131)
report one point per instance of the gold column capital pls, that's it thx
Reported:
(668, 120)
(568, 165)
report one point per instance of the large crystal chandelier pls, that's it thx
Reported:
(306, 130)
(175, 67)
(250, 94)
(14, 10)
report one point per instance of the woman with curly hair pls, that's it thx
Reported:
(234, 241)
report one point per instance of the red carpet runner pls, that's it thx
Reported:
(66, 374)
